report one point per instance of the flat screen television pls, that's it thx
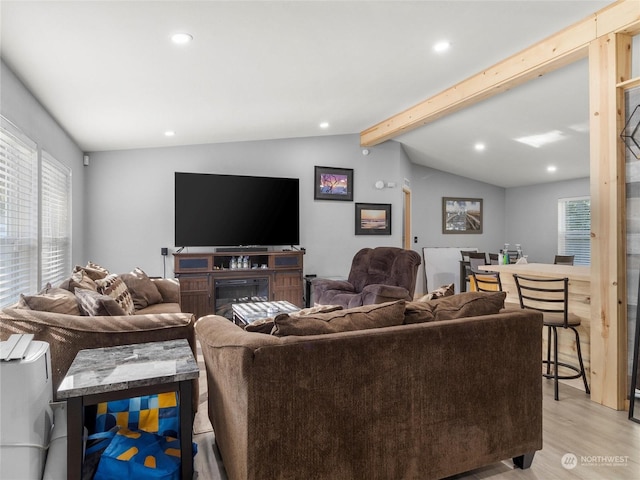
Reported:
(213, 210)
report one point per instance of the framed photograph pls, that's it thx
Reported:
(461, 215)
(373, 219)
(333, 183)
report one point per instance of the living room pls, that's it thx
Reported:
(123, 198)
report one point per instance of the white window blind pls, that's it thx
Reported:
(18, 214)
(574, 229)
(55, 188)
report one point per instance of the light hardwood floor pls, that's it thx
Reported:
(605, 443)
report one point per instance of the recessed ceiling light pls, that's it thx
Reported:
(169, 133)
(538, 141)
(551, 168)
(442, 46)
(324, 125)
(479, 146)
(181, 38)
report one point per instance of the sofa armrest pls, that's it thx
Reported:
(321, 286)
(383, 293)
(228, 353)
(68, 334)
(169, 288)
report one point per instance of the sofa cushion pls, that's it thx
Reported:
(143, 291)
(169, 289)
(54, 300)
(113, 286)
(265, 325)
(443, 291)
(164, 307)
(96, 304)
(359, 318)
(468, 304)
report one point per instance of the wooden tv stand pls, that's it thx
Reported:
(208, 285)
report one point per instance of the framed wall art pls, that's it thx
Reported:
(373, 219)
(333, 183)
(461, 215)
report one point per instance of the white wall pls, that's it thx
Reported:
(532, 216)
(19, 106)
(130, 197)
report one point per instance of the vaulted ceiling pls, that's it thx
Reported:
(108, 72)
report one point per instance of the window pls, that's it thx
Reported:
(35, 216)
(574, 229)
(55, 226)
(19, 214)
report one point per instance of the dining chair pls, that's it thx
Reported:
(493, 259)
(551, 297)
(465, 254)
(475, 259)
(513, 256)
(487, 281)
(563, 260)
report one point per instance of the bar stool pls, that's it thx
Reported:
(563, 259)
(551, 297)
(487, 281)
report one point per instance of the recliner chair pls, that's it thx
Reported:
(378, 275)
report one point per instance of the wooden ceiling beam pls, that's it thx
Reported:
(554, 52)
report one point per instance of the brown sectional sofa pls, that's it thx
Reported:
(69, 333)
(427, 398)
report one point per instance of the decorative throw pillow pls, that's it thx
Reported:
(443, 291)
(95, 304)
(55, 300)
(358, 318)
(419, 312)
(113, 286)
(93, 271)
(79, 279)
(469, 304)
(143, 291)
(265, 325)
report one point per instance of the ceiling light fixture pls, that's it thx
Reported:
(324, 125)
(551, 168)
(169, 133)
(181, 38)
(541, 139)
(480, 146)
(442, 46)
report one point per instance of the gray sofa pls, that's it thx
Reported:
(431, 394)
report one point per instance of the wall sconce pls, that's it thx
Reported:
(630, 135)
(380, 184)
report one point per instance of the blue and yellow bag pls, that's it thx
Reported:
(139, 454)
(151, 413)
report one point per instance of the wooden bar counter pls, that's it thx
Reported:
(579, 303)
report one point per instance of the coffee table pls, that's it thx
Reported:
(246, 313)
(104, 374)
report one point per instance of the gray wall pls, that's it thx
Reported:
(532, 216)
(19, 106)
(130, 197)
(428, 186)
